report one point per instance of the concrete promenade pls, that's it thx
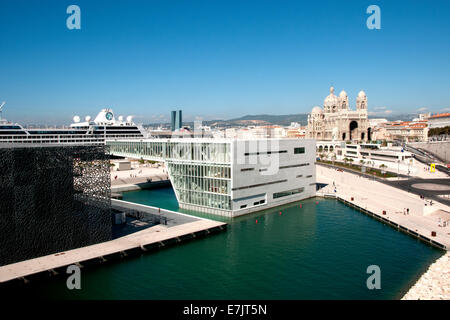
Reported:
(140, 241)
(433, 284)
(378, 197)
(139, 178)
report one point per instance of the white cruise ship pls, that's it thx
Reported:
(104, 126)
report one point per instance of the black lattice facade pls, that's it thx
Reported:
(52, 199)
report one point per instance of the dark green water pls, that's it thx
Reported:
(319, 251)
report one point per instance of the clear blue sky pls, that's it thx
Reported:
(219, 59)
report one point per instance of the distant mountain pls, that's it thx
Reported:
(398, 116)
(256, 120)
(282, 120)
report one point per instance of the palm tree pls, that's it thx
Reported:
(361, 162)
(382, 167)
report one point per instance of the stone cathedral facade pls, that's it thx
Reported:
(337, 122)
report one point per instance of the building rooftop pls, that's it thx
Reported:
(439, 115)
(406, 124)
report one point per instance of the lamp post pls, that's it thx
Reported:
(373, 170)
(409, 162)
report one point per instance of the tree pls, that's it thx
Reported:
(383, 167)
(438, 131)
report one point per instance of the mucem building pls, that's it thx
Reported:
(52, 199)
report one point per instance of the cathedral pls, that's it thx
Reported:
(337, 122)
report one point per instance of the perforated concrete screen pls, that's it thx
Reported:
(52, 199)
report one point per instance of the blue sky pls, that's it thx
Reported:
(219, 59)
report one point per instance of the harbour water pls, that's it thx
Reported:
(320, 250)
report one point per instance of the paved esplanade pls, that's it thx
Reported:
(376, 197)
(429, 188)
(138, 174)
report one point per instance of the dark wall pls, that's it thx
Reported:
(52, 199)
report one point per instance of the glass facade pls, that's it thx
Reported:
(202, 184)
(199, 171)
(218, 152)
(287, 193)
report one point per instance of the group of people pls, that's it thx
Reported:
(443, 223)
(131, 175)
(426, 202)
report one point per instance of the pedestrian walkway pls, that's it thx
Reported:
(378, 197)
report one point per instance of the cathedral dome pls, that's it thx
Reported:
(343, 94)
(317, 109)
(331, 99)
(361, 94)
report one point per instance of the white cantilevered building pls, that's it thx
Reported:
(230, 177)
